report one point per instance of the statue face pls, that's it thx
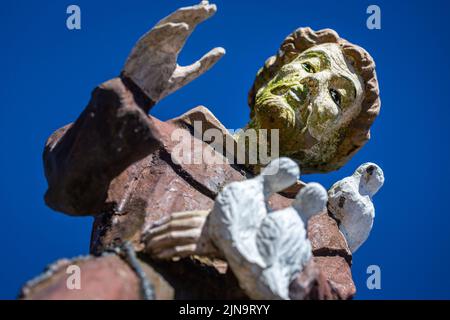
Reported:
(310, 99)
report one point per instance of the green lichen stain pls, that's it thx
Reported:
(311, 99)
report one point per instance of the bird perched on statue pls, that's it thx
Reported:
(350, 201)
(282, 239)
(241, 206)
(265, 250)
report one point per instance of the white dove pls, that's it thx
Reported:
(241, 206)
(264, 250)
(350, 201)
(282, 241)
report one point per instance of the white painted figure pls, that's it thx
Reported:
(266, 250)
(350, 201)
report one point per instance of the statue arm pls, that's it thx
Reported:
(114, 130)
(82, 158)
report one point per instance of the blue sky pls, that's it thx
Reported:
(49, 72)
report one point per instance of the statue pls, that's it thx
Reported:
(115, 162)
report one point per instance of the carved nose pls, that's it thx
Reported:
(323, 111)
(312, 86)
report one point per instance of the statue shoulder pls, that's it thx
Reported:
(199, 115)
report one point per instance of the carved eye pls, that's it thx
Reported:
(308, 67)
(336, 96)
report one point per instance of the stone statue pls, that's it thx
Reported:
(115, 162)
(321, 90)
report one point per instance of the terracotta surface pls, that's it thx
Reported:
(115, 163)
(326, 239)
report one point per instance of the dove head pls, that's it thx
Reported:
(371, 178)
(310, 201)
(279, 174)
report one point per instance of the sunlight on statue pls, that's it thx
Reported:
(322, 93)
(316, 99)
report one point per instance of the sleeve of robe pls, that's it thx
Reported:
(81, 158)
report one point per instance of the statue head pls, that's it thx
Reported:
(321, 92)
(371, 178)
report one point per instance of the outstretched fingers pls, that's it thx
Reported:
(159, 47)
(185, 74)
(189, 16)
(169, 38)
(152, 64)
(192, 15)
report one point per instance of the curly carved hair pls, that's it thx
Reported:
(358, 131)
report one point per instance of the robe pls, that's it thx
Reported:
(115, 163)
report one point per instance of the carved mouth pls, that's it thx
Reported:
(290, 97)
(295, 97)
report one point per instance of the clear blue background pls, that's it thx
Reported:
(48, 72)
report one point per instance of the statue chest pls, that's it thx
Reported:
(158, 185)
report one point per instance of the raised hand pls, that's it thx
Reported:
(152, 64)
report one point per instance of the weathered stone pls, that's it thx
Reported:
(102, 278)
(151, 195)
(326, 239)
(311, 284)
(81, 159)
(117, 164)
(339, 276)
(149, 187)
(199, 278)
(152, 64)
(293, 190)
(153, 187)
(312, 129)
(110, 278)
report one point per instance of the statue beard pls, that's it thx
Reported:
(274, 111)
